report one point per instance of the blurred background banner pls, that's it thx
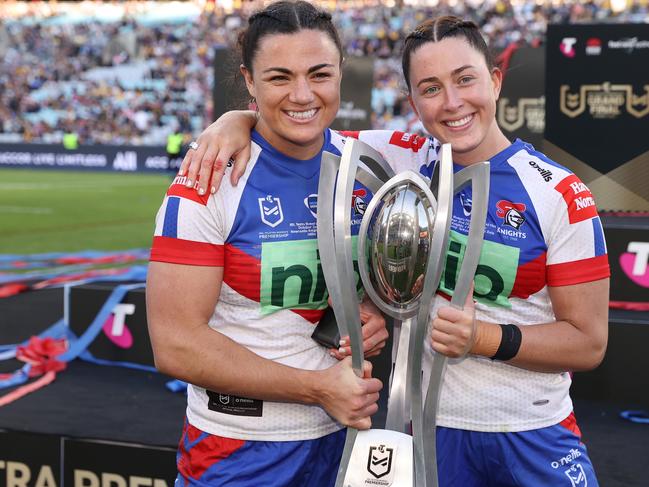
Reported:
(87, 157)
(597, 109)
(521, 106)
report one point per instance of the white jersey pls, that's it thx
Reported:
(263, 232)
(542, 230)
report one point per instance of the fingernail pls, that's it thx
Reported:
(213, 190)
(341, 342)
(201, 191)
(341, 350)
(332, 354)
(181, 172)
(189, 183)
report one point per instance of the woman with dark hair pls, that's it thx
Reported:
(235, 285)
(541, 289)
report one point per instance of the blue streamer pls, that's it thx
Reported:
(637, 416)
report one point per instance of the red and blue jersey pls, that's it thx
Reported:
(263, 233)
(542, 230)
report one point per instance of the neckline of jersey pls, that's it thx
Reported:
(291, 162)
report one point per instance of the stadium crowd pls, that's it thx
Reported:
(135, 82)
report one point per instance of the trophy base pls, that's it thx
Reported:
(382, 458)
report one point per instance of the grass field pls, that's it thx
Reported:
(65, 211)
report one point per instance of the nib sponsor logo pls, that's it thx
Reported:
(567, 46)
(578, 198)
(634, 263)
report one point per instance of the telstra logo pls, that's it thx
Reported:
(115, 326)
(634, 263)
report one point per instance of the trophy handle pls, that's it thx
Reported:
(337, 176)
(443, 181)
(332, 269)
(478, 176)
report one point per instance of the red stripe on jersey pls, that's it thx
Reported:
(570, 423)
(584, 270)
(530, 278)
(354, 134)
(312, 315)
(198, 454)
(407, 141)
(242, 272)
(178, 188)
(578, 198)
(179, 251)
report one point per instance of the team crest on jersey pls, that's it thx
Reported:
(270, 209)
(466, 202)
(511, 213)
(577, 475)
(358, 203)
(311, 202)
(379, 461)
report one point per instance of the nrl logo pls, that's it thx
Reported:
(379, 461)
(604, 100)
(577, 476)
(270, 209)
(311, 202)
(528, 111)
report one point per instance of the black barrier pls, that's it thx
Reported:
(356, 90)
(36, 460)
(116, 158)
(622, 375)
(521, 106)
(124, 336)
(597, 109)
(102, 464)
(30, 459)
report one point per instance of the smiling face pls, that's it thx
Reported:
(454, 94)
(295, 80)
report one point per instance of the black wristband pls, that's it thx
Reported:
(510, 343)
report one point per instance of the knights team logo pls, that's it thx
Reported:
(511, 213)
(270, 209)
(379, 461)
(358, 203)
(577, 475)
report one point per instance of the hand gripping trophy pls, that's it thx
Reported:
(401, 247)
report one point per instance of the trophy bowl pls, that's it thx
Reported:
(397, 243)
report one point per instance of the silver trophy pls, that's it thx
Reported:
(401, 246)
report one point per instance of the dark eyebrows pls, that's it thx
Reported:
(312, 69)
(453, 73)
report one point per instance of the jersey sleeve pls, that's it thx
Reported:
(403, 151)
(577, 248)
(189, 228)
